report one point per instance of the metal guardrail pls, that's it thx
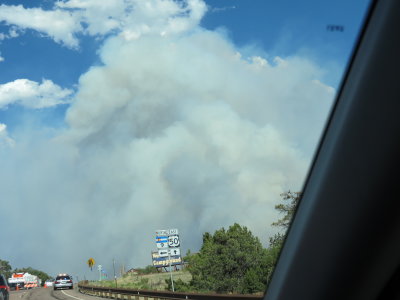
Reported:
(118, 293)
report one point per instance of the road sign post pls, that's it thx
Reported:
(170, 271)
(167, 241)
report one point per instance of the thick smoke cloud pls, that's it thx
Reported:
(5, 140)
(169, 132)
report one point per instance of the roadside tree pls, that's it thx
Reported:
(5, 268)
(230, 261)
(288, 208)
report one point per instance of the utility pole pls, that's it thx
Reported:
(100, 269)
(115, 277)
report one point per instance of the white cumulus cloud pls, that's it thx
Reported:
(57, 24)
(130, 18)
(33, 94)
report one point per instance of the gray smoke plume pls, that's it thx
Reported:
(169, 132)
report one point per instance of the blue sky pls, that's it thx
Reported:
(270, 28)
(117, 117)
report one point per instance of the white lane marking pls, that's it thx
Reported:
(71, 295)
(22, 294)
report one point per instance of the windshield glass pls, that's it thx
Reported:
(63, 278)
(162, 135)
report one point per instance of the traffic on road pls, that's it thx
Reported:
(49, 294)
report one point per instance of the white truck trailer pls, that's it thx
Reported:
(24, 280)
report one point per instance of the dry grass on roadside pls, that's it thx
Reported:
(154, 281)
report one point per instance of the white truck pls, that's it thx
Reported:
(24, 280)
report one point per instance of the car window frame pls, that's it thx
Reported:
(351, 179)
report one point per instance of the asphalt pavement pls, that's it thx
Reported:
(49, 294)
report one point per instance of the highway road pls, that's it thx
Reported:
(49, 294)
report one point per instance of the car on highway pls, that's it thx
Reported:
(4, 288)
(49, 282)
(63, 281)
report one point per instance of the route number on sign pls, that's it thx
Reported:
(173, 241)
(162, 245)
(162, 241)
(173, 232)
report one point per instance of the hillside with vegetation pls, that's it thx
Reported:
(152, 281)
(231, 260)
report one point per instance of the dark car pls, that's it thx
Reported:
(12, 286)
(63, 281)
(4, 288)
